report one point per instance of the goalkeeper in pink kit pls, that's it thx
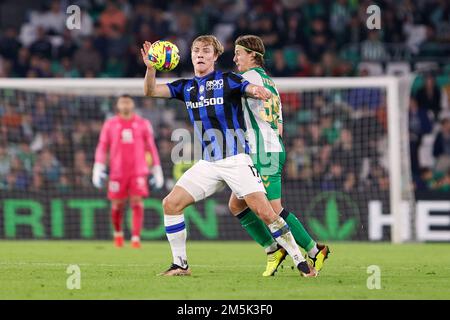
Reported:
(128, 138)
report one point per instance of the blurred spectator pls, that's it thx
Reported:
(242, 27)
(5, 163)
(333, 179)
(321, 40)
(54, 20)
(87, 59)
(268, 33)
(280, 69)
(299, 160)
(22, 62)
(442, 182)
(429, 96)
(41, 119)
(423, 181)
(45, 68)
(392, 27)
(112, 20)
(18, 178)
(41, 46)
(63, 149)
(48, 166)
(65, 69)
(293, 34)
(441, 147)
(12, 120)
(304, 67)
(331, 65)
(26, 156)
(419, 125)
(68, 46)
(117, 45)
(341, 12)
(346, 154)
(64, 185)
(373, 48)
(9, 45)
(82, 170)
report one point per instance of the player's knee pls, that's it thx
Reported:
(118, 205)
(171, 205)
(235, 207)
(136, 202)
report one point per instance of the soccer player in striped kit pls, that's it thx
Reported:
(128, 138)
(264, 123)
(213, 102)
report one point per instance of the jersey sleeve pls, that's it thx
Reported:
(103, 144)
(150, 143)
(176, 89)
(253, 77)
(237, 83)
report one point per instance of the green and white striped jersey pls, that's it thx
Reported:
(262, 117)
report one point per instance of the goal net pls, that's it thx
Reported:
(346, 176)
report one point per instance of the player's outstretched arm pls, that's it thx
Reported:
(258, 92)
(151, 89)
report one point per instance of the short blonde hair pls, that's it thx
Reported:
(212, 40)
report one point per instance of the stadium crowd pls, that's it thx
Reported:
(302, 37)
(47, 141)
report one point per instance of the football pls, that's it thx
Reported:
(163, 55)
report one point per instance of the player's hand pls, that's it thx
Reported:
(261, 93)
(99, 175)
(144, 52)
(157, 178)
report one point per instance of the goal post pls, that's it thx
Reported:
(346, 140)
(397, 94)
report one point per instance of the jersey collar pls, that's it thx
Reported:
(204, 77)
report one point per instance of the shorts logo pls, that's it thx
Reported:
(214, 84)
(114, 186)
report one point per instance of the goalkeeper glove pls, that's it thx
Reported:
(157, 178)
(99, 175)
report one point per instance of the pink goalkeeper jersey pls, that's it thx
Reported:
(127, 142)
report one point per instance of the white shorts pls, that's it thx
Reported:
(206, 178)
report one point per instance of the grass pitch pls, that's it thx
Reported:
(221, 270)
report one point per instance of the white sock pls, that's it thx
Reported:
(273, 247)
(280, 231)
(312, 253)
(135, 238)
(176, 234)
